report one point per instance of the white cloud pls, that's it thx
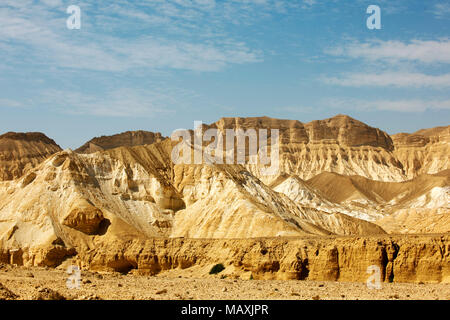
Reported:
(43, 35)
(441, 10)
(427, 52)
(118, 103)
(403, 105)
(52, 3)
(8, 103)
(388, 79)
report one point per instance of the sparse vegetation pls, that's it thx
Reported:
(218, 268)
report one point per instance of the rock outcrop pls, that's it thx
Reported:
(426, 151)
(120, 203)
(400, 259)
(340, 144)
(20, 152)
(125, 139)
(420, 205)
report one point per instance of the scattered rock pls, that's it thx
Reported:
(6, 294)
(163, 291)
(48, 294)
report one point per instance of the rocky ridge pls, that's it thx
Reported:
(338, 177)
(20, 152)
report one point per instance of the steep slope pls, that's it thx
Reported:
(420, 205)
(427, 191)
(19, 152)
(307, 195)
(229, 202)
(419, 259)
(125, 139)
(347, 132)
(339, 144)
(77, 201)
(425, 151)
(73, 202)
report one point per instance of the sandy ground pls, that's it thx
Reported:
(44, 283)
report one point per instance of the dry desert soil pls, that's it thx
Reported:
(38, 283)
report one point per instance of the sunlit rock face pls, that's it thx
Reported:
(336, 177)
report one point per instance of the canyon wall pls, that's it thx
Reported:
(413, 258)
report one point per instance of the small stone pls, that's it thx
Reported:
(161, 291)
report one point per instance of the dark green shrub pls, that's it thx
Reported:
(217, 269)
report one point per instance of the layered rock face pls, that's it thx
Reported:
(349, 147)
(125, 139)
(414, 259)
(76, 202)
(420, 205)
(20, 152)
(120, 203)
(339, 144)
(426, 151)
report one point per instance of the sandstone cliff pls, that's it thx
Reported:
(120, 203)
(400, 259)
(339, 144)
(426, 151)
(125, 139)
(20, 152)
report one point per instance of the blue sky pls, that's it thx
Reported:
(158, 65)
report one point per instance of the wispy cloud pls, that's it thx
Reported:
(402, 105)
(119, 103)
(428, 52)
(9, 103)
(397, 64)
(441, 10)
(41, 32)
(388, 79)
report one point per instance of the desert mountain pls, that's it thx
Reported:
(420, 205)
(337, 177)
(20, 152)
(125, 139)
(347, 146)
(74, 202)
(340, 144)
(425, 151)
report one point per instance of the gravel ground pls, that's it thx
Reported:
(43, 283)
